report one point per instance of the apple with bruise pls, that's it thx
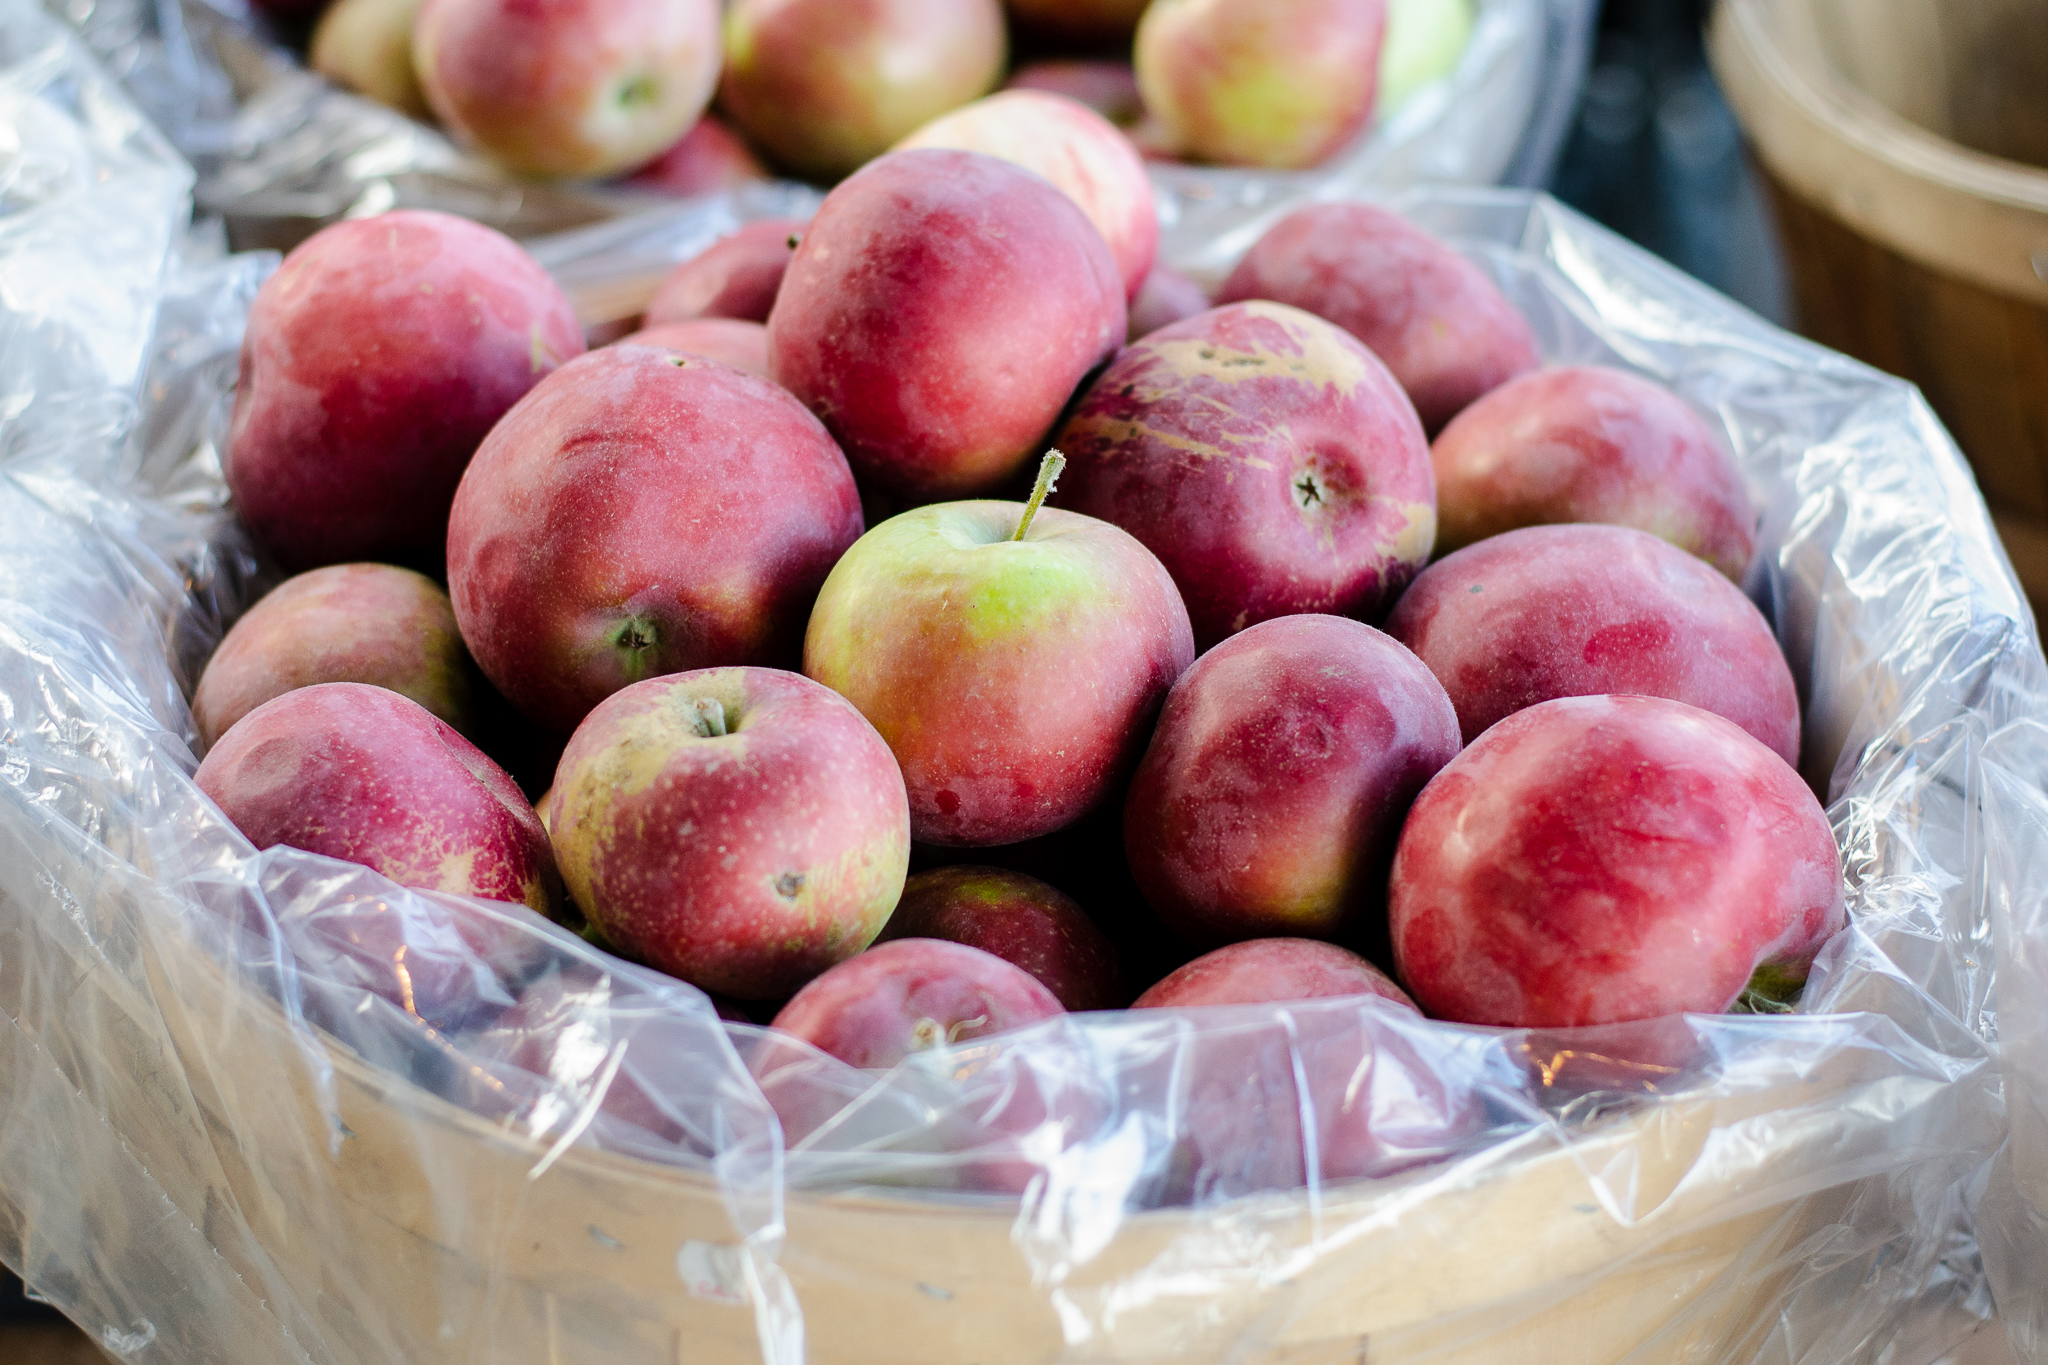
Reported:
(735, 277)
(913, 995)
(1020, 919)
(742, 345)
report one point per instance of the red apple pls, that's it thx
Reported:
(741, 828)
(1109, 88)
(825, 85)
(375, 361)
(1270, 971)
(1589, 443)
(1442, 327)
(1599, 859)
(742, 345)
(708, 158)
(364, 623)
(1166, 297)
(570, 88)
(366, 46)
(940, 311)
(912, 995)
(1575, 611)
(1267, 458)
(643, 512)
(1022, 921)
(735, 277)
(1277, 780)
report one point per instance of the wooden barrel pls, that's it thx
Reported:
(1904, 143)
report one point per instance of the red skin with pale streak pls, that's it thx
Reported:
(1579, 611)
(825, 85)
(643, 513)
(1599, 859)
(1276, 782)
(1267, 458)
(1269, 971)
(745, 862)
(737, 276)
(1589, 443)
(940, 312)
(708, 158)
(568, 88)
(360, 773)
(1021, 920)
(376, 359)
(364, 623)
(1074, 147)
(1442, 327)
(911, 995)
(1166, 297)
(1109, 88)
(742, 345)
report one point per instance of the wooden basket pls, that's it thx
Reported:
(1904, 143)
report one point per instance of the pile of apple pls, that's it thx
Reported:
(1551, 786)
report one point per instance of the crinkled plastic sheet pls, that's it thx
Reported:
(268, 1106)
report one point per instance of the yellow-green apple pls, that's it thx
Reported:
(941, 310)
(825, 85)
(1110, 88)
(1276, 83)
(1271, 971)
(1166, 297)
(1076, 149)
(1590, 443)
(1425, 39)
(1440, 325)
(1580, 611)
(737, 276)
(1020, 919)
(741, 828)
(1593, 860)
(363, 623)
(742, 345)
(1266, 457)
(1274, 788)
(1016, 678)
(366, 46)
(556, 89)
(913, 995)
(643, 512)
(708, 158)
(376, 359)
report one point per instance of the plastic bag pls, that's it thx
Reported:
(272, 1107)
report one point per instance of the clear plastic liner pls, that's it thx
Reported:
(270, 1106)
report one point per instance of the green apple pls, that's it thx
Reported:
(1425, 39)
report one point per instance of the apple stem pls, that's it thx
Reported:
(1048, 474)
(710, 718)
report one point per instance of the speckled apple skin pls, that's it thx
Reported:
(360, 773)
(742, 345)
(1270, 798)
(376, 359)
(1271, 971)
(737, 276)
(1268, 459)
(1020, 919)
(744, 863)
(910, 995)
(364, 623)
(1594, 860)
(941, 310)
(708, 158)
(1165, 297)
(1110, 88)
(1284, 84)
(1076, 149)
(1016, 682)
(1591, 443)
(1439, 324)
(1576, 611)
(643, 486)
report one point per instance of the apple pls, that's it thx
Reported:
(1440, 325)
(1271, 971)
(1283, 84)
(1110, 88)
(1013, 660)
(735, 277)
(376, 359)
(643, 512)
(1267, 458)
(1076, 149)
(570, 89)
(941, 310)
(366, 46)
(740, 828)
(363, 623)
(742, 345)
(1590, 443)
(1165, 297)
(1593, 860)
(826, 85)
(1573, 611)
(912, 995)
(708, 158)
(1425, 39)
(1274, 788)
(1021, 920)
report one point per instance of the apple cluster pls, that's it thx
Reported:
(1394, 662)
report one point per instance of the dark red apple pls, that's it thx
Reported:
(1271, 971)
(735, 277)
(1021, 920)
